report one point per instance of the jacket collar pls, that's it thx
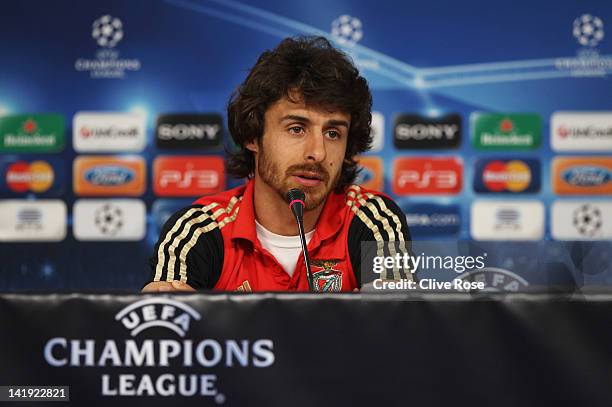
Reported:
(327, 226)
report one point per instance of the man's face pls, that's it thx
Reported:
(302, 147)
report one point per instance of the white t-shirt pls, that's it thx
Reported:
(286, 249)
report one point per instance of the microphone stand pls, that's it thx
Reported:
(305, 252)
(295, 198)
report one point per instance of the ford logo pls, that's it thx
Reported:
(365, 175)
(109, 176)
(586, 176)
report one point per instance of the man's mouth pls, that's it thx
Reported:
(308, 178)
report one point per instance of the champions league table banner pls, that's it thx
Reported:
(304, 350)
(488, 125)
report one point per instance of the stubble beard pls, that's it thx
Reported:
(270, 173)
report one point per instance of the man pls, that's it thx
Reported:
(299, 120)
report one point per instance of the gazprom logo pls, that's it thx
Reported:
(109, 175)
(157, 312)
(586, 176)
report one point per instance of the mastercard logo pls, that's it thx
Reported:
(37, 176)
(507, 176)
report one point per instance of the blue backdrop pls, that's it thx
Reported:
(427, 58)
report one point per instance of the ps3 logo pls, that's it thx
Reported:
(188, 175)
(428, 179)
(427, 175)
(189, 178)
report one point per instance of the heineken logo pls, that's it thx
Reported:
(30, 126)
(37, 133)
(506, 131)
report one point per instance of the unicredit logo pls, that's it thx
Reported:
(581, 131)
(109, 132)
(584, 132)
(418, 132)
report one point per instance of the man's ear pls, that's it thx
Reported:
(252, 146)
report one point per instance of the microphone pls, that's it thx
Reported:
(295, 198)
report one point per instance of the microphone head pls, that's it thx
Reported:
(295, 198)
(295, 195)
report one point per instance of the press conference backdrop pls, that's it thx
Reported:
(492, 125)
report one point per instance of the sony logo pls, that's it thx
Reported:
(188, 131)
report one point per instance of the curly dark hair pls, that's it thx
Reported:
(322, 76)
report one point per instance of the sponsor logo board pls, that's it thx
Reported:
(427, 175)
(432, 220)
(41, 220)
(507, 175)
(109, 176)
(188, 175)
(371, 174)
(109, 219)
(32, 133)
(506, 131)
(18, 177)
(377, 132)
(581, 220)
(582, 175)
(413, 131)
(188, 131)
(581, 131)
(507, 220)
(108, 132)
(163, 209)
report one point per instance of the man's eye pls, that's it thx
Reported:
(334, 135)
(296, 130)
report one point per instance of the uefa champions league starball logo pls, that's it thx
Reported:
(588, 220)
(107, 31)
(347, 30)
(109, 219)
(588, 30)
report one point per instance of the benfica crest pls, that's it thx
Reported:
(327, 279)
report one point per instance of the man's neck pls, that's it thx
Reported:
(273, 213)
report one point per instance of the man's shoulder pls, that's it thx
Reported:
(357, 197)
(375, 211)
(223, 198)
(209, 209)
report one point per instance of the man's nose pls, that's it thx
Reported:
(314, 149)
